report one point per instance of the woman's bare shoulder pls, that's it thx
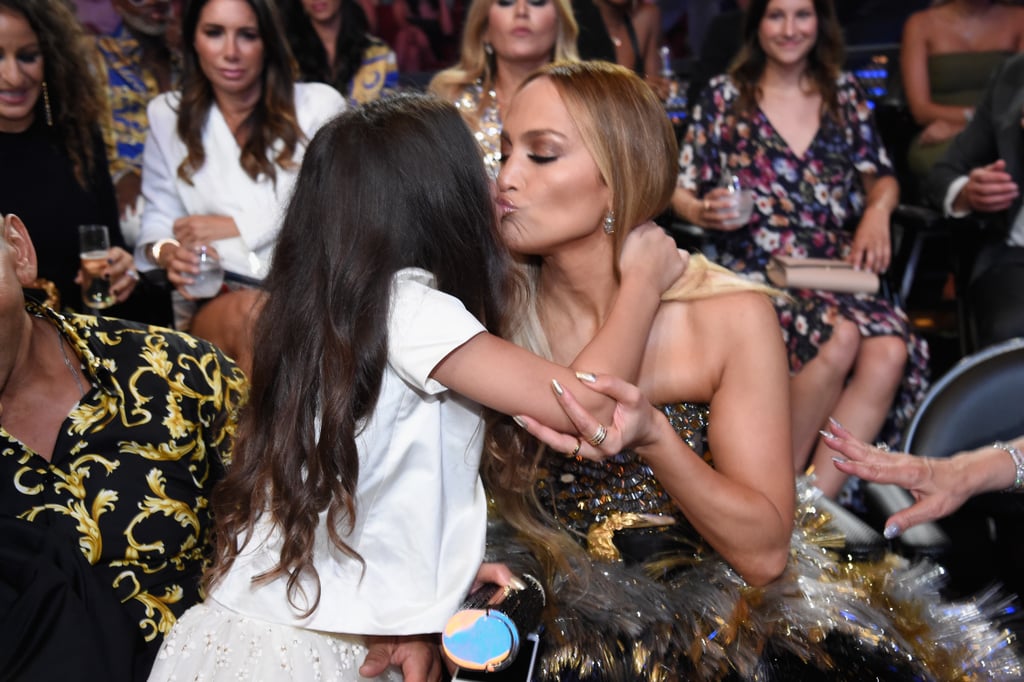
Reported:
(720, 320)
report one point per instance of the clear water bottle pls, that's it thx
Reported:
(208, 282)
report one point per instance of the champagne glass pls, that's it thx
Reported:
(94, 251)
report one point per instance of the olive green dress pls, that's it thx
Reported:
(957, 79)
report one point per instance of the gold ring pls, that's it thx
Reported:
(598, 436)
(576, 450)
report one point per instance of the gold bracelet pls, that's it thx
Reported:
(153, 253)
(1018, 463)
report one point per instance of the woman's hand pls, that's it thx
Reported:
(648, 251)
(635, 422)
(936, 484)
(940, 131)
(182, 265)
(122, 273)
(719, 210)
(495, 574)
(203, 229)
(872, 246)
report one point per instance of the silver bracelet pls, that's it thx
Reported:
(1018, 462)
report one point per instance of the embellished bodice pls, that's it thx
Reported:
(480, 110)
(588, 498)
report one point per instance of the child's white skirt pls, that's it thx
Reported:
(210, 643)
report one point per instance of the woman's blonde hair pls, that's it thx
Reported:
(475, 64)
(624, 127)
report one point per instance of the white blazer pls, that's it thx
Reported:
(221, 187)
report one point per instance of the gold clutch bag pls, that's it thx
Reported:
(791, 272)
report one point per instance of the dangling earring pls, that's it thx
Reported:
(46, 106)
(489, 49)
(609, 222)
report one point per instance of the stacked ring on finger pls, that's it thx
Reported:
(598, 436)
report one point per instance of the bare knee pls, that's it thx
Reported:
(883, 358)
(227, 322)
(840, 352)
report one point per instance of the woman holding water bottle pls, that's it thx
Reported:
(220, 161)
(787, 126)
(54, 170)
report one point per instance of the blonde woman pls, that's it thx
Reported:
(502, 42)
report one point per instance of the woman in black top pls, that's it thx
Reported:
(54, 173)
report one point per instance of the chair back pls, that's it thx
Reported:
(979, 400)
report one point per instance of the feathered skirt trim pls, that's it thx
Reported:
(694, 618)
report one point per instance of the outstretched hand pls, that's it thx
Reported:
(635, 421)
(936, 484)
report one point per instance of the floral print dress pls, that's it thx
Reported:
(805, 205)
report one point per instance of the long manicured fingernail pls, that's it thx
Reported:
(557, 386)
(891, 531)
(835, 422)
(839, 460)
(519, 421)
(516, 584)
(586, 376)
(827, 435)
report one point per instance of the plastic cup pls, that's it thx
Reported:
(208, 282)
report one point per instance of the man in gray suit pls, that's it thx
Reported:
(981, 175)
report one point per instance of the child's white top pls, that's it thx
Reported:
(421, 511)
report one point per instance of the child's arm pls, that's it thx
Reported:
(509, 379)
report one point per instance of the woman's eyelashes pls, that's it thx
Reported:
(542, 158)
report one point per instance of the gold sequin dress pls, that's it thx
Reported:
(660, 604)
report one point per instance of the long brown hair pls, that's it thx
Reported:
(72, 92)
(824, 62)
(273, 118)
(322, 333)
(633, 144)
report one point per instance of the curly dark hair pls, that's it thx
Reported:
(824, 62)
(75, 96)
(273, 118)
(309, 51)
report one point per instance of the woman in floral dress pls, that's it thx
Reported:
(798, 132)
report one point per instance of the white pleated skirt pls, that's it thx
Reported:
(211, 643)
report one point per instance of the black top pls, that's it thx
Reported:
(722, 42)
(37, 184)
(594, 41)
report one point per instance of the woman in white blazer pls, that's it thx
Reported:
(222, 156)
